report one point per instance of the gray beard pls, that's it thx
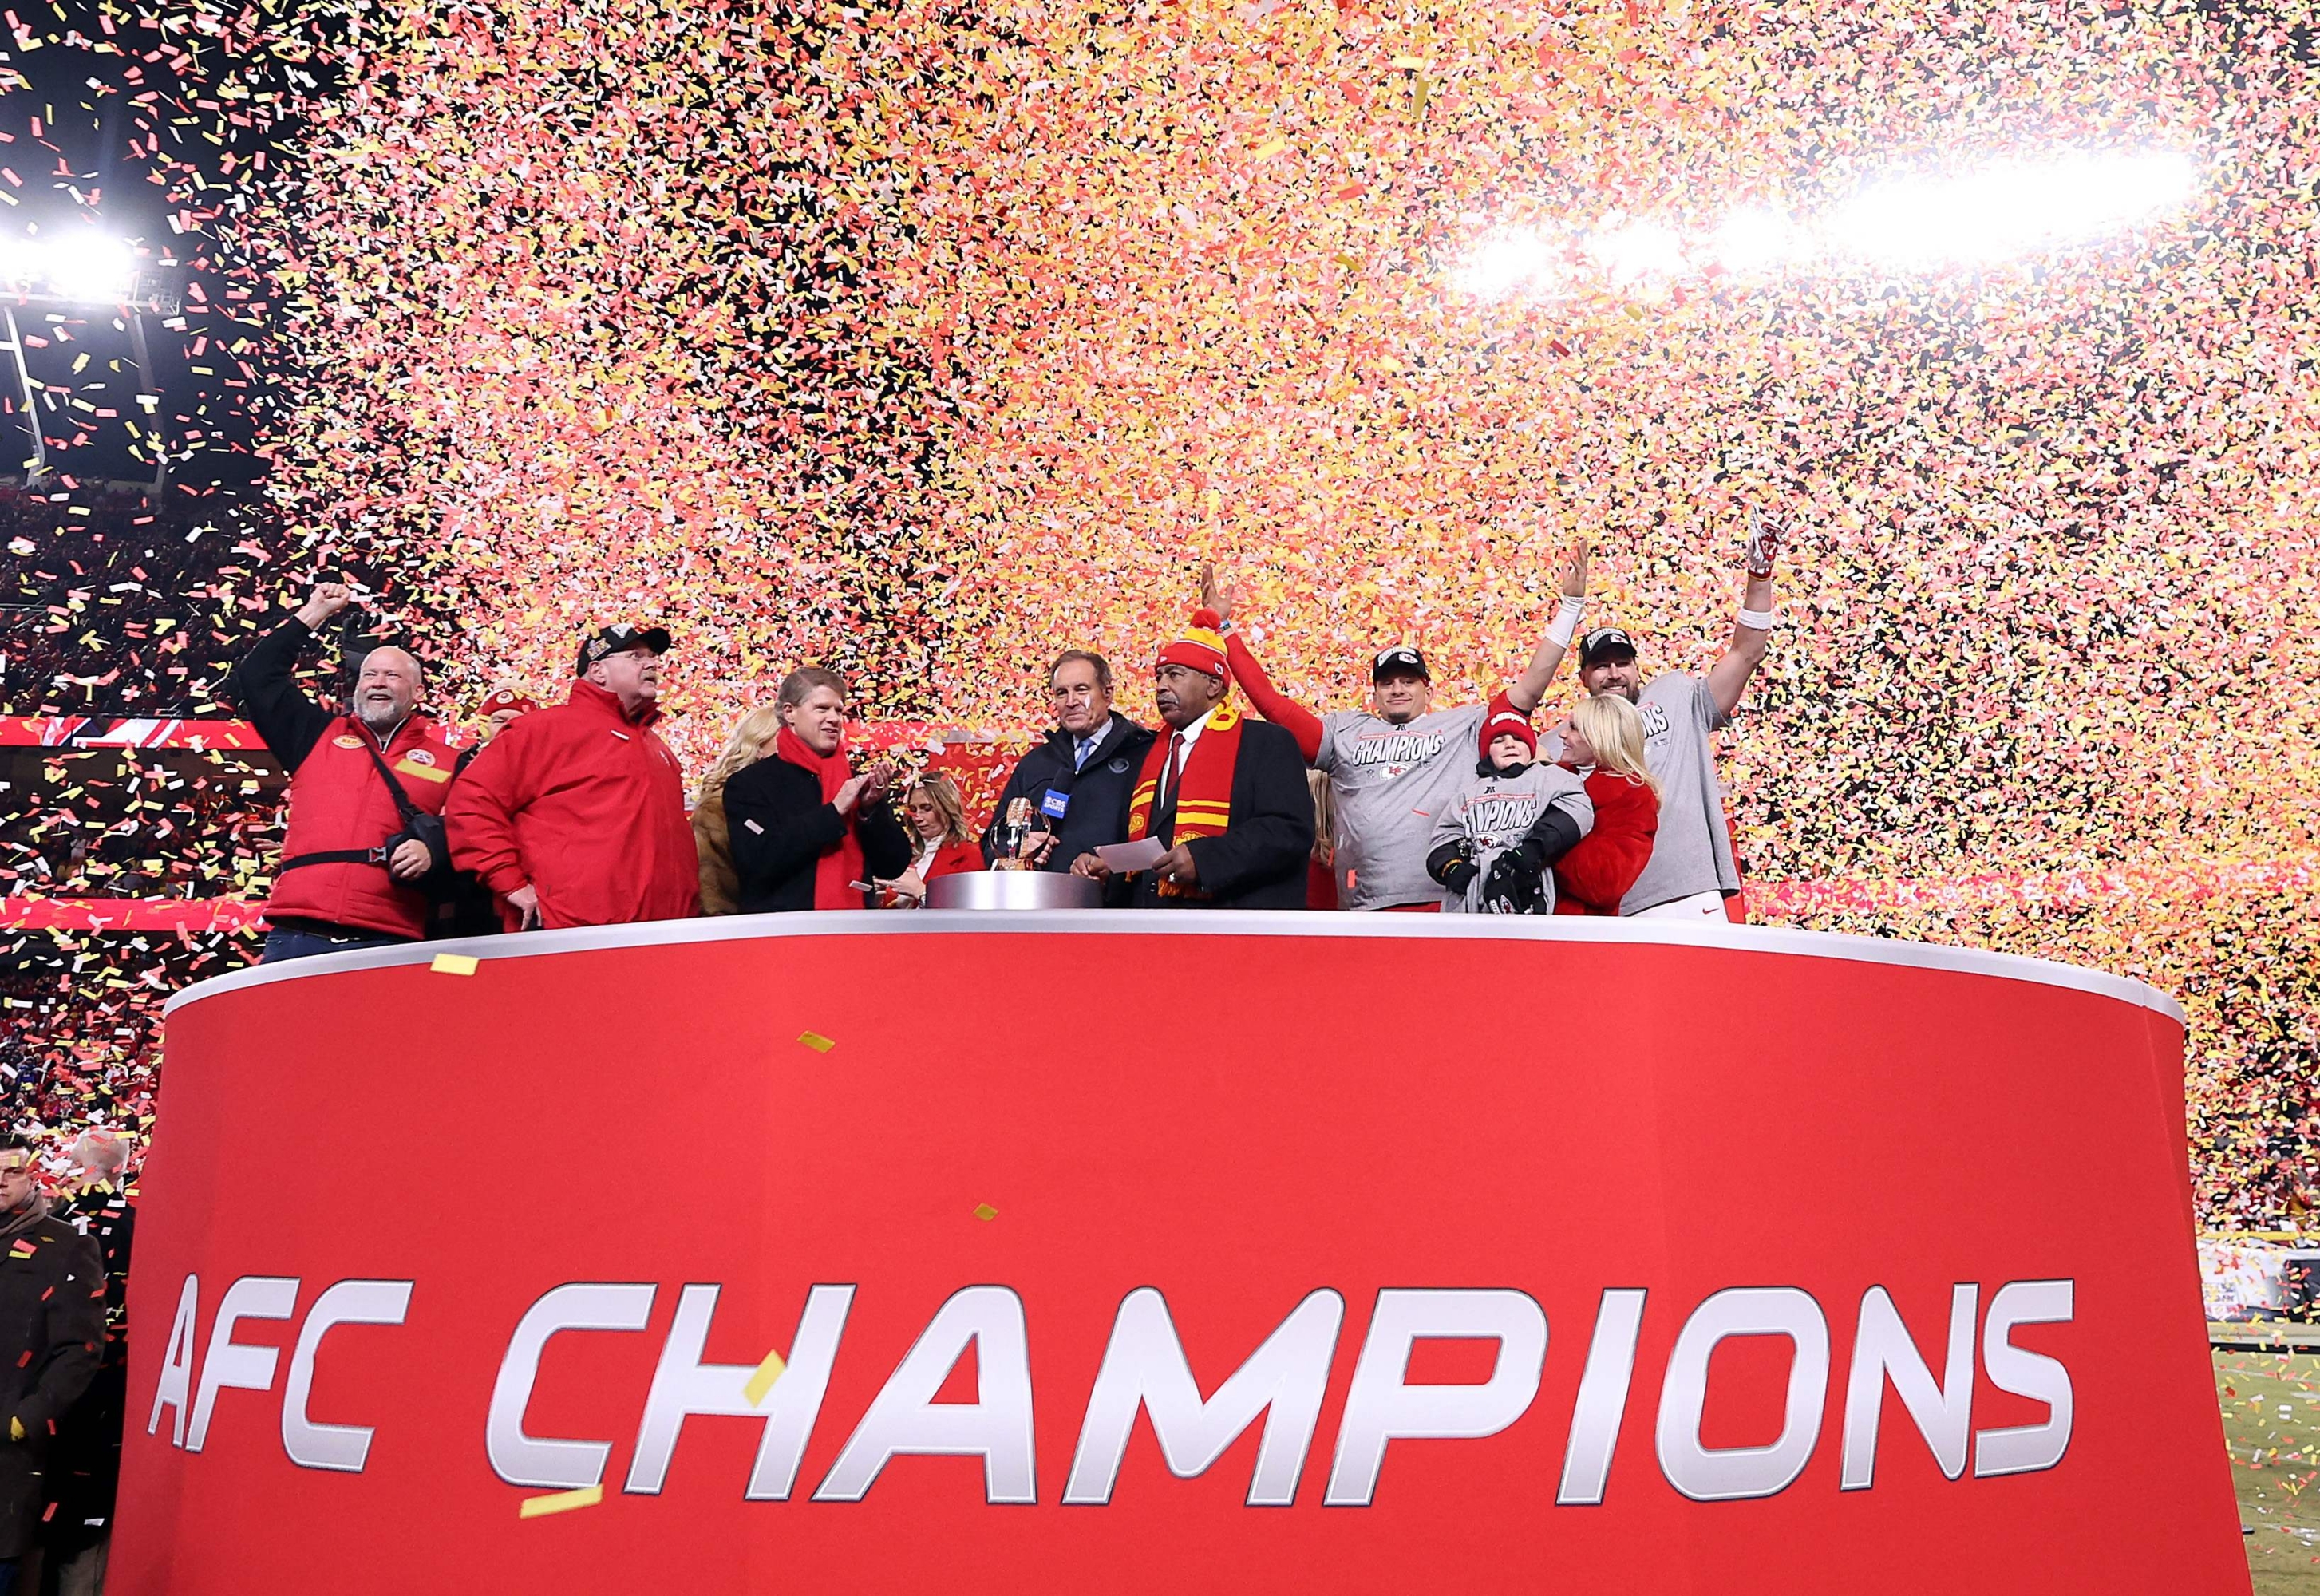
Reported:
(383, 723)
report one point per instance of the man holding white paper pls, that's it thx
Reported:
(1220, 817)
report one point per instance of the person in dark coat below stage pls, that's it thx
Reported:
(1226, 794)
(807, 831)
(84, 1466)
(1077, 783)
(51, 1334)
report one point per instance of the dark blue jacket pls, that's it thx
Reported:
(1097, 813)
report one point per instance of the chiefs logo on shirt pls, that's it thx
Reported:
(346, 741)
(1396, 752)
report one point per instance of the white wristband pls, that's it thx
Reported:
(1757, 620)
(1565, 624)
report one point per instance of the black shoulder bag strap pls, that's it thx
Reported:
(416, 822)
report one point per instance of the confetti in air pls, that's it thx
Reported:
(921, 341)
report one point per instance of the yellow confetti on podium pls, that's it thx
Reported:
(563, 1502)
(454, 964)
(763, 1380)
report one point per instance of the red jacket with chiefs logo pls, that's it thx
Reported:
(337, 800)
(585, 806)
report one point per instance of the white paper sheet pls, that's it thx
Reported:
(1125, 857)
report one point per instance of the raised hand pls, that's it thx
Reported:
(326, 601)
(1215, 594)
(1764, 543)
(1574, 575)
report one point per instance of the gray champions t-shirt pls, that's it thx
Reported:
(1692, 852)
(1387, 783)
(1493, 811)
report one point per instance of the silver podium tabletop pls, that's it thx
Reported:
(1013, 889)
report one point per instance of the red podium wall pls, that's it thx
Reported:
(1168, 1252)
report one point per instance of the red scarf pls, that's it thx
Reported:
(1203, 802)
(842, 863)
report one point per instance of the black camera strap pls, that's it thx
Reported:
(410, 812)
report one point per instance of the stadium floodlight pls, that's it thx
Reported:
(2009, 208)
(75, 268)
(1754, 238)
(1919, 220)
(1511, 259)
(1627, 251)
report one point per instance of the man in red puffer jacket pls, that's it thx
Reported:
(575, 815)
(350, 869)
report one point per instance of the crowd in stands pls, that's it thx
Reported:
(112, 598)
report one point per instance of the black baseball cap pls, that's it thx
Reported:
(1398, 660)
(620, 639)
(1603, 640)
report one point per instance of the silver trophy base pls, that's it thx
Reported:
(1013, 889)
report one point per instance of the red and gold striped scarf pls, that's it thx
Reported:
(1204, 793)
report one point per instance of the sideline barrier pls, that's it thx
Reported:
(1171, 1251)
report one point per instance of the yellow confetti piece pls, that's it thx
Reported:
(816, 1040)
(562, 1501)
(1411, 63)
(985, 1213)
(454, 964)
(763, 1380)
(1269, 149)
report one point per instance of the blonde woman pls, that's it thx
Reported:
(935, 819)
(1604, 736)
(1321, 867)
(752, 739)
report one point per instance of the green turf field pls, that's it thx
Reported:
(2271, 1418)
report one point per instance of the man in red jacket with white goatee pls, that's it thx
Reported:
(351, 864)
(575, 815)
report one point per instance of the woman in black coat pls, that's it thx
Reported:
(804, 827)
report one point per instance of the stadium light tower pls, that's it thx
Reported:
(81, 270)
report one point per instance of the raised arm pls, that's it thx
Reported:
(1751, 633)
(1528, 690)
(265, 686)
(1247, 674)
